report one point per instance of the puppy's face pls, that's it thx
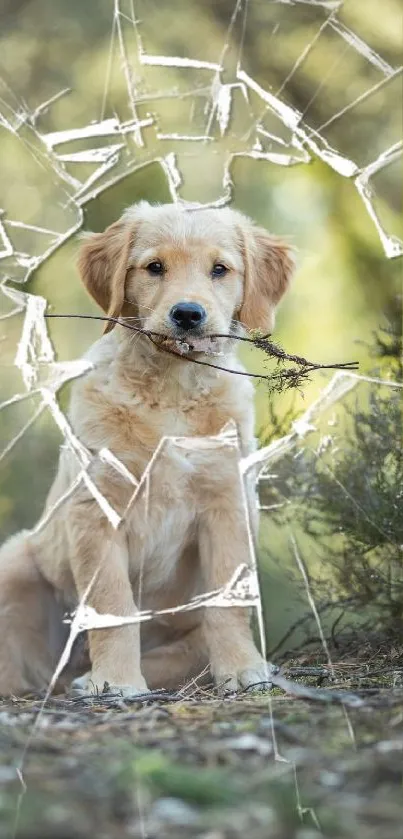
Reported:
(186, 273)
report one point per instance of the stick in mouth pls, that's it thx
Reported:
(207, 345)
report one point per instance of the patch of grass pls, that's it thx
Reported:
(204, 787)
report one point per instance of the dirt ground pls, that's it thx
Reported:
(322, 757)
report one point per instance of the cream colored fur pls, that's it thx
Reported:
(189, 534)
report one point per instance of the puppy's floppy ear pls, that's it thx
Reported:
(269, 265)
(103, 264)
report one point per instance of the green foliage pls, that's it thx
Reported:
(351, 505)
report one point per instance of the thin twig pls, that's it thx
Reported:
(316, 694)
(289, 377)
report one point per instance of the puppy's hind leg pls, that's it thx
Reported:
(31, 631)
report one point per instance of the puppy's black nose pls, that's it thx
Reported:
(187, 315)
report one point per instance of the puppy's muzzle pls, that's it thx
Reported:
(187, 316)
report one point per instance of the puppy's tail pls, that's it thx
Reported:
(30, 621)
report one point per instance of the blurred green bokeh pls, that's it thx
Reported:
(344, 285)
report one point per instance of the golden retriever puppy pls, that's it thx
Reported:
(186, 273)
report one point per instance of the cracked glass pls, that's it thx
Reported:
(288, 111)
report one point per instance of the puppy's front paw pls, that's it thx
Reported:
(254, 675)
(91, 683)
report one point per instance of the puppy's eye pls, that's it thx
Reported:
(219, 270)
(155, 267)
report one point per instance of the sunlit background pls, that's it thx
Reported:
(132, 126)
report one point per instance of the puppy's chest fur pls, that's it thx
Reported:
(132, 416)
